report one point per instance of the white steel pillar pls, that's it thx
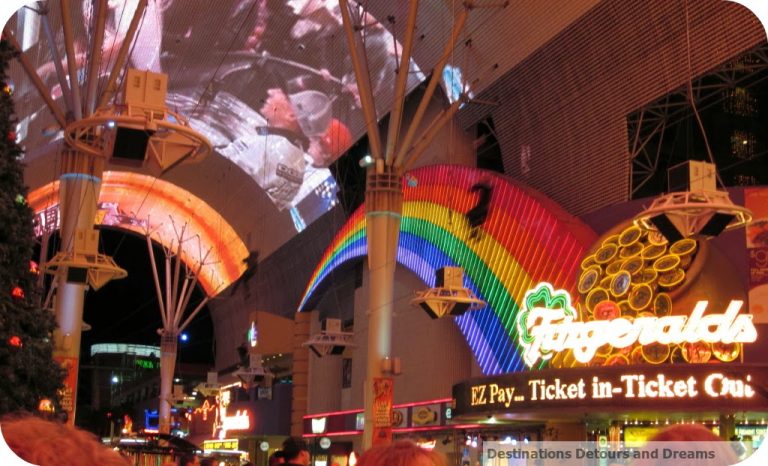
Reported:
(383, 205)
(78, 193)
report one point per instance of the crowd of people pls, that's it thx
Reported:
(44, 442)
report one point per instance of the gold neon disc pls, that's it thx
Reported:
(588, 279)
(606, 310)
(636, 356)
(633, 265)
(640, 297)
(631, 251)
(613, 239)
(656, 353)
(606, 253)
(620, 283)
(597, 360)
(685, 261)
(588, 262)
(594, 297)
(630, 236)
(617, 360)
(648, 276)
(677, 356)
(626, 310)
(662, 304)
(655, 237)
(666, 263)
(653, 251)
(683, 247)
(698, 352)
(726, 352)
(672, 278)
(605, 282)
(613, 267)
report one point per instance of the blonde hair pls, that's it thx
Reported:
(47, 443)
(721, 451)
(401, 453)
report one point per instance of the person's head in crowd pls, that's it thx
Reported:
(48, 443)
(694, 438)
(207, 462)
(295, 451)
(189, 459)
(276, 458)
(401, 453)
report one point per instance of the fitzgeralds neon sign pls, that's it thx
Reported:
(547, 324)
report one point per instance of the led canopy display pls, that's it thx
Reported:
(141, 203)
(269, 83)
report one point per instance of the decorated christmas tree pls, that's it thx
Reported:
(28, 373)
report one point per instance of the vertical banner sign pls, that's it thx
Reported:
(70, 382)
(383, 389)
(756, 200)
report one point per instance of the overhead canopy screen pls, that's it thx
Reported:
(269, 82)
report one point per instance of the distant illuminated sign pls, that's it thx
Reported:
(225, 444)
(147, 364)
(318, 425)
(547, 325)
(423, 415)
(241, 420)
(206, 408)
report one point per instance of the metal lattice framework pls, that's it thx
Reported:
(648, 125)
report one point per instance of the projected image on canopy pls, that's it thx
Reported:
(269, 82)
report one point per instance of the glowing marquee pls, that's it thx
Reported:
(546, 325)
(621, 386)
(241, 420)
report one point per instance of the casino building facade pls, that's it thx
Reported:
(593, 328)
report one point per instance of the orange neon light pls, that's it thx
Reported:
(205, 409)
(138, 203)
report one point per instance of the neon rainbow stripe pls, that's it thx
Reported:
(525, 239)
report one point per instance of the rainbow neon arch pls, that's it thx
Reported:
(525, 239)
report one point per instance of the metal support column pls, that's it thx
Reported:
(79, 187)
(383, 206)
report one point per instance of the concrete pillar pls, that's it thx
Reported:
(300, 371)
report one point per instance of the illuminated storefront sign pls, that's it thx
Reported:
(318, 425)
(226, 444)
(147, 364)
(547, 325)
(241, 420)
(736, 385)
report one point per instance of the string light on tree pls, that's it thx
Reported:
(17, 292)
(46, 406)
(15, 341)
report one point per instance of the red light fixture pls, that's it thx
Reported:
(15, 341)
(17, 292)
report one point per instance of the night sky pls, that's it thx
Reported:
(127, 310)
